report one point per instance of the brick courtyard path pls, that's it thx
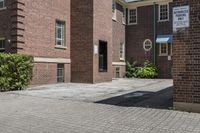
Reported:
(32, 114)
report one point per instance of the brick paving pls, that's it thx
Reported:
(21, 113)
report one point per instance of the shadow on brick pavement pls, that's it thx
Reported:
(160, 100)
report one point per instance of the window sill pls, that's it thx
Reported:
(160, 21)
(60, 47)
(162, 55)
(4, 8)
(114, 19)
(122, 59)
(132, 24)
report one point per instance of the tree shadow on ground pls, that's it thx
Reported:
(161, 100)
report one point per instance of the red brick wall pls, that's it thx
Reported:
(36, 35)
(102, 31)
(118, 38)
(45, 73)
(82, 41)
(186, 65)
(144, 29)
(39, 24)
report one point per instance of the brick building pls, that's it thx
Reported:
(85, 41)
(186, 65)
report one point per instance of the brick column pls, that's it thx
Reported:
(17, 20)
(186, 61)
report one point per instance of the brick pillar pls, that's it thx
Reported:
(17, 24)
(186, 61)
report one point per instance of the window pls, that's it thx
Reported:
(114, 10)
(147, 45)
(117, 72)
(163, 49)
(163, 12)
(60, 73)
(2, 44)
(124, 16)
(60, 33)
(132, 16)
(2, 4)
(103, 57)
(122, 51)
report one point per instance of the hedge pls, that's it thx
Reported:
(15, 71)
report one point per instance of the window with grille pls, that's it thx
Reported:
(163, 12)
(2, 4)
(132, 16)
(163, 49)
(60, 73)
(122, 51)
(60, 33)
(114, 10)
(117, 72)
(2, 44)
(124, 16)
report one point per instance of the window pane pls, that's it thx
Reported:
(132, 16)
(1, 4)
(60, 33)
(163, 12)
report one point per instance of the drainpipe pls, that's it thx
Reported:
(154, 51)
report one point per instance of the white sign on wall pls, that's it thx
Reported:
(181, 17)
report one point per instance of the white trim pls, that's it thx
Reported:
(114, 14)
(161, 4)
(124, 16)
(129, 16)
(51, 60)
(119, 64)
(163, 54)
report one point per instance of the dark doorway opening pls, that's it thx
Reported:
(103, 56)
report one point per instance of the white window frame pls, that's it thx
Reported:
(124, 16)
(1, 47)
(63, 34)
(3, 1)
(129, 16)
(114, 14)
(122, 51)
(62, 76)
(167, 51)
(159, 13)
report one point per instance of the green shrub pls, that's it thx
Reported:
(149, 70)
(15, 71)
(131, 69)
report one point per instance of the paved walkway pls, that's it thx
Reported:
(26, 112)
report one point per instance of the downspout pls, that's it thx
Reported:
(154, 29)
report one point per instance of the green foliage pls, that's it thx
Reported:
(15, 71)
(149, 70)
(131, 69)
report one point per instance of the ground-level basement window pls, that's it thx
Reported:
(103, 56)
(2, 44)
(60, 73)
(117, 72)
(2, 4)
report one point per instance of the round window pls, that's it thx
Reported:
(147, 45)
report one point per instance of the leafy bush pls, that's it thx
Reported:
(149, 70)
(15, 71)
(131, 69)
